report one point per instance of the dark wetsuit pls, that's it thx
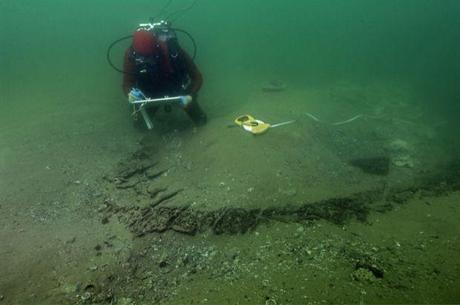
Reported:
(165, 74)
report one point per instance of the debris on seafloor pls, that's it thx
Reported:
(274, 86)
(401, 153)
(404, 161)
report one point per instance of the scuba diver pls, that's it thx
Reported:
(156, 67)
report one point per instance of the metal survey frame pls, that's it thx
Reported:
(152, 101)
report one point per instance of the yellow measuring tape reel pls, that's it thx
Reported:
(254, 126)
(251, 124)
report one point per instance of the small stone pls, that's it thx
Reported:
(86, 296)
(363, 275)
(403, 161)
(71, 241)
(163, 264)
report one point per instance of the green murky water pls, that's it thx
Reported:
(65, 124)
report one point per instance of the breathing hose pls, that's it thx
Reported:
(109, 49)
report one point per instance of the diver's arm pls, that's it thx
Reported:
(129, 78)
(194, 72)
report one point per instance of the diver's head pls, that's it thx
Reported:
(145, 43)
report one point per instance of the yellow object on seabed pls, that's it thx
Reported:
(249, 123)
(254, 126)
(243, 119)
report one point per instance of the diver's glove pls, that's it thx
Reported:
(135, 95)
(185, 100)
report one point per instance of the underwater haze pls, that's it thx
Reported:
(354, 199)
(313, 41)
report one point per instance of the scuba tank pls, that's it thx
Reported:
(174, 66)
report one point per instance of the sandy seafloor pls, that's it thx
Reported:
(55, 250)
